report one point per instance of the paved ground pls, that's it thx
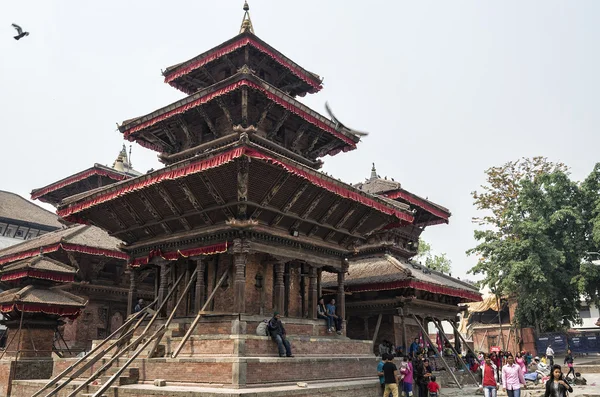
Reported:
(591, 389)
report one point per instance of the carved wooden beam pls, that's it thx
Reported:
(279, 124)
(326, 216)
(282, 77)
(290, 204)
(305, 214)
(263, 115)
(207, 120)
(283, 177)
(207, 73)
(324, 149)
(73, 260)
(299, 134)
(343, 220)
(191, 197)
(113, 215)
(361, 221)
(262, 62)
(167, 147)
(230, 63)
(136, 216)
(245, 106)
(225, 110)
(312, 144)
(212, 190)
(186, 131)
(143, 274)
(164, 194)
(172, 139)
(154, 212)
(242, 186)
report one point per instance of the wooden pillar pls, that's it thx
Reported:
(319, 278)
(456, 336)
(132, 291)
(240, 255)
(366, 321)
(312, 292)
(200, 287)
(279, 287)
(404, 336)
(173, 274)
(341, 297)
(162, 289)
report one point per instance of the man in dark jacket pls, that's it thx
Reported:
(278, 334)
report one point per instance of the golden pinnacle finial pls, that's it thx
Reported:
(246, 22)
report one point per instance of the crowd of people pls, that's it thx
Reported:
(496, 369)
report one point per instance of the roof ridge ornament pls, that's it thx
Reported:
(373, 172)
(246, 22)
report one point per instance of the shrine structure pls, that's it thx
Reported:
(237, 225)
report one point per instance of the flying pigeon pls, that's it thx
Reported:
(340, 126)
(20, 33)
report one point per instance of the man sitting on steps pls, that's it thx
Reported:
(278, 334)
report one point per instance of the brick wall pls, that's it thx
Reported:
(5, 374)
(33, 369)
(308, 370)
(223, 300)
(29, 340)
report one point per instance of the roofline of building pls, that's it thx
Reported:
(173, 72)
(96, 169)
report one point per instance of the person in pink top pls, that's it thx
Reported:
(512, 378)
(407, 373)
(520, 360)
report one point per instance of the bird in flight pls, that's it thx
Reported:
(20, 33)
(340, 126)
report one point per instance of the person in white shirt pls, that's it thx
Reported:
(550, 355)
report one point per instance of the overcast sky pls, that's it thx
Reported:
(447, 89)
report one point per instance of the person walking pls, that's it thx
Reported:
(569, 361)
(489, 378)
(557, 385)
(512, 378)
(550, 356)
(408, 379)
(520, 360)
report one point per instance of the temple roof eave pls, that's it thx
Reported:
(130, 128)
(174, 72)
(75, 204)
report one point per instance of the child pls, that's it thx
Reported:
(433, 387)
(407, 381)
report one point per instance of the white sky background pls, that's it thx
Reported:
(447, 89)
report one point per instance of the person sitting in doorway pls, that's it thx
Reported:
(322, 313)
(139, 306)
(337, 320)
(277, 332)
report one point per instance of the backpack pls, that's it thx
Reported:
(263, 328)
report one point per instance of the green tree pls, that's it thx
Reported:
(534, 242)
(441, 263)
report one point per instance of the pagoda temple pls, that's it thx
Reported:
(239, 224)
(33, 308)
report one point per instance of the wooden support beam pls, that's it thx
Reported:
(212, 190)
(263, 115)
(186, 131)
(282, 76)
(200, 110)
(245, 106)
(313, 143)
(441, 356)
(279, 182)
(242, 186)
(376, 333)
(290, 204)
(305, 214)
(326, 216)
(440, 327)
(299, 134)
(225, 110)
(154, 212)
(279, 124)
(172, 206)
(191, 197)
(230, 63)
(207, 73)
(172, 139)
(361, 221)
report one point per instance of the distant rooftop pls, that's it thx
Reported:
(16, 208)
